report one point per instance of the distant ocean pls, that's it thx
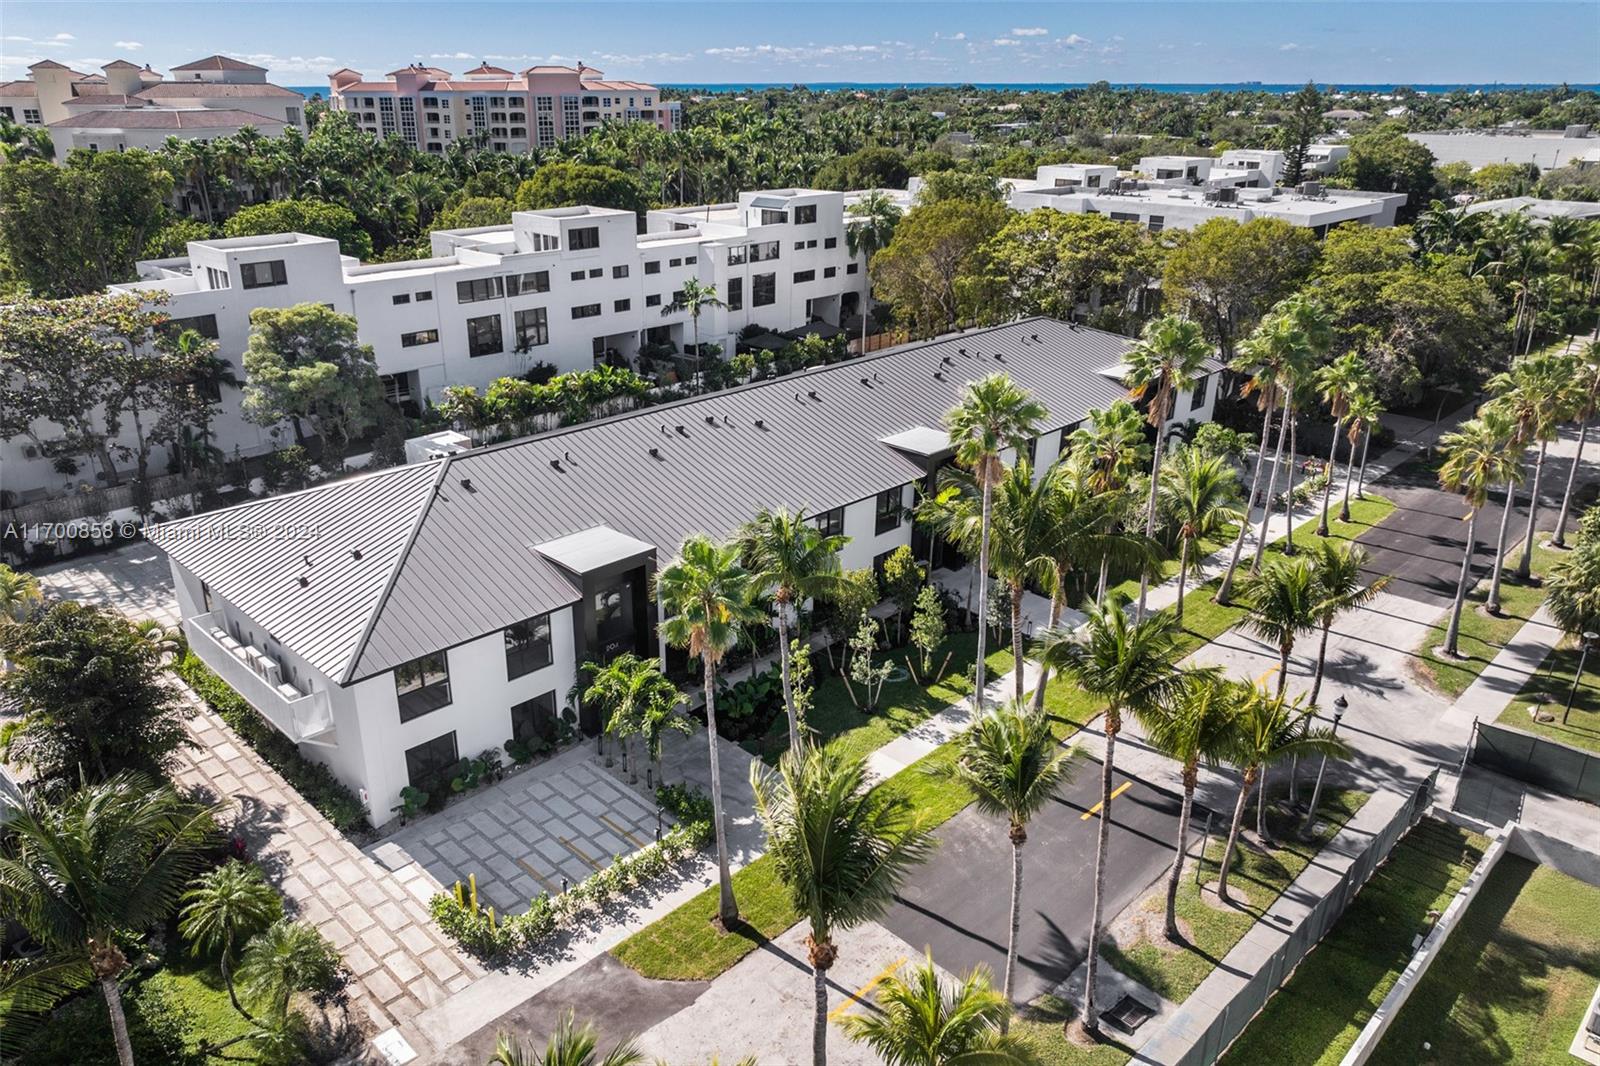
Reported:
(1055, 87)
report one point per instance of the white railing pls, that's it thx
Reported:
(302, 717)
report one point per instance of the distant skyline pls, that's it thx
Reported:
(782, 41)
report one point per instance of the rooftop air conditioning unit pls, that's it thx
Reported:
(1227, 195)
(1311, 188)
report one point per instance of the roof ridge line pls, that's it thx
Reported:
(394, 574)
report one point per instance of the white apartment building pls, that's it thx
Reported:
(1545, 149)
(565, 286)
(430, 107)
(128, 106)
(394, 622)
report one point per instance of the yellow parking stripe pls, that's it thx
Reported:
(578, 852)
(1262, 680)
(1092, 811)
(860, 994)
(548, 887)
(635, 841)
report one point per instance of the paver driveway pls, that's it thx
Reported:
(135, 580)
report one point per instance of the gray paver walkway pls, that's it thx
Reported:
(1510, 669)
(135, 580)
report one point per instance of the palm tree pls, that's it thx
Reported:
(1195, 725)
(1127, 664)
(870, 229)
(1337, 588)
(920, 1021)
(993, 415)
(793, 561)
(109, 857)
(626, 688)
(1586, 404)
(1282, 601)
(1537, 392)
(19, 594)
(1198, 493)
(1167, 361)
(1268, 729)
(694, 297)
(1364, 412)
(227, 906)
(1475, 458)
(707, 597)
(1012, 763)
(1339, 383)
(656, 716)
(570, 1045)
(841, 848)
(1108, 448)
(287, 957)
(1303, 334)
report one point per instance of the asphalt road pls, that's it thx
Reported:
(958, 906)
(1420, 544)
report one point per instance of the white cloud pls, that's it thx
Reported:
(128, 46)
(645, 57)
(290, 64)
(58, 41)
(1005, 42)
(808, 53)
(1290, 47)
(451, 55)
(1029, 31)
(63, 37)
(959, 35)
(1073, 40)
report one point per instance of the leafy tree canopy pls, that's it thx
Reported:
(575, 184)
(315, 217)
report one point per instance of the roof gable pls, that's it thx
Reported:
(219, 62)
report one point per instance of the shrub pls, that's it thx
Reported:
(79, 1034)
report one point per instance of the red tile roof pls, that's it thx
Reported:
(484, 68)
(102, 99)
(200, 118)
(218, 63)
(196, 90)
(23, 87)
(120, 64)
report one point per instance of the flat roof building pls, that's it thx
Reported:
(1545, 149)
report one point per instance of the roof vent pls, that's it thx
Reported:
(867, 382)
(1000, 356)
(555, 464)
(963, 353)
(305, 582)
(1036, 338)
(655, 453)
(355, 553)
(466, 483)
(939, 374)
(814, 396)
(711, 420)
(947, 361)
(683, 430)
(665, 432)
(876, 378)
(568, 457)
(761, 423)
(306, 559)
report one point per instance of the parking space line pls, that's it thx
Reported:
(570, 846)
(860, 994)
(631, 838)
(1092, 811)
(1262, 680)
(535, 875)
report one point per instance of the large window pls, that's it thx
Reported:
(652, 266)
(736, 255)
(763, 290)
(889, 508)
(770, 217)
(760, 253)
(205, 325)
(831, 523)
(534, 719)
(805, 214)
(582, 237)
(586, 311)
(533, 281)
(620, 271)
(421, 336)
(735, 298)
(1198, 400)
(263, 275)
(483, 336)
(533, 328)
(802, 276)
(429, 765)
(479, 289)
(528, 646)
(422, 685)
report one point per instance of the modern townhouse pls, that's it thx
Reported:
(394, 622)
(567, 286)
(430, 107)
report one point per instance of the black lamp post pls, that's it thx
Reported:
(1340, 705)
(1589, 637)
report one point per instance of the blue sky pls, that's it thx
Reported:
(794, 40)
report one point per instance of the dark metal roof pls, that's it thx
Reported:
(471, 567)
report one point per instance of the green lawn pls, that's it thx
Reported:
(197, 985)
(1483, 635)
(1513, 981)
(1554, 683)
(1335, 990)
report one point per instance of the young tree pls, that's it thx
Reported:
(863, 671)
(632, 691)
(285, 958)
(303, 363)
(1198, 494)
(903, 580)
(842, 848)
(1475, 458)
(869, 230)
(927, 627)
(921, 1022)
(1340, 382)
(1337, 574)
(707, 597)
(695, 297)
(226, 907)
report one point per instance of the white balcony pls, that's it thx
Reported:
(303, 717)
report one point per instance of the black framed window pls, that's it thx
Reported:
(801, 276)
(1201, 387)
(1030, 448)
(760, 253)
(831, 523)
(263, 275)
(829, 272)
(586, 311)
(652, 266)
(830, 242)
(535, 718)
(528, 646)
(620, 271)
(533, 327)
(770, 217)
(804, 214)
(852, 268)
(890, 504)
(582, 237)
(675, 262)
(400, 298)
(468, 292)
(763, 290)
(736, 255)
(653, 300)
(595, 272)
(422, 685)
(523, 284)
(424, 297)
(484, 336)
(429, 764)
(735, 299)
(205, 325)
(577, 275)
(421, 336)
(621, 305)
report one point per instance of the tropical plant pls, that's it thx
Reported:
(864, 671)
(994, 414)
(1475, 458)
(1585, 405)
(570, 1045)
(1339, 383)
(1364, 413)
(1128, 665)
(842, 849)
(1198, 494)
(110, 857)
(1012, 764)
(19, 594)
(285, 958)
(928, 627)
(695, 297)
(707, 597)
(1282, 601)
(793, 561)
(869, 229)
(1108, 449)
(1337, 586)
(1536, 394)
(922, 1021)
(226, 907)
(631, 690)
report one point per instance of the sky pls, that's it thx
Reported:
(671, 42)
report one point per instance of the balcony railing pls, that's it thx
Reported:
(305, 718)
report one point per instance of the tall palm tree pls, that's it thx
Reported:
(1337, 573)
(1282, 601)
(994, 414)
(1108, 448)
(1198, 493)
(707, 596)
(1129, 665)
(794, 562)
(1168, 360)
(1586, 404)
(1475, 458)
(1339, 383)
(570, 1045)
(1516, 429)
(1012, 763)
(1538, 392)
(107, 858)
(870, 228)
(226, 907)
(920, 1021)
(1364, 412)
(1195, 725)
(1305, 322)
(695, 297)
(841, 847)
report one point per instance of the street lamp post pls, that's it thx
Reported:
(1589, 637)
(1340, 705)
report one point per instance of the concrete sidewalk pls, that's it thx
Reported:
(1511, 669)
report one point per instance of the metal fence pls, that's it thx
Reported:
(1549, 764)
(93, 503)
(1226, 1026)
